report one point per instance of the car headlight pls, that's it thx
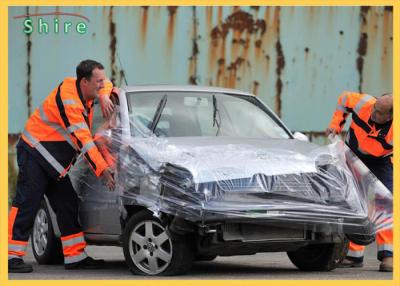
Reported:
(177, 175)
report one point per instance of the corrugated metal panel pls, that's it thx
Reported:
(297, 59)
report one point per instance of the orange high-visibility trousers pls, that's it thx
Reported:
(384, 241)
(33, 183)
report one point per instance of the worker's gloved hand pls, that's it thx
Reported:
(330, 131)
(107, 107)
(108, 177)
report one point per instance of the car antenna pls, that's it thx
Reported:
(122, 69)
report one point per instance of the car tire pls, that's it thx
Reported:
(360, 239)
(319, 257)
(200, 257)
(151, 249)
(46, 247)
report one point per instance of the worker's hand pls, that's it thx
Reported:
(330, 131)
(107, 107)
(108, 176)
(115, 90)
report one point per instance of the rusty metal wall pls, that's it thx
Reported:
(297, 59)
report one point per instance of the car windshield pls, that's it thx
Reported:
(183, 114)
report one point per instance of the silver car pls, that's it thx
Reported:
(204, 172)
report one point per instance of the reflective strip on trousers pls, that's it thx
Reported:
(362, 102)
(72, 241)
(16, 250)
(87, 146)
(53, 162)
(352, 253)
(75, 258)
(385, 247)
(17, 247)
(75, 127)
(57, 127)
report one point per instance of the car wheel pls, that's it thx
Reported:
(46, 246)
(360, 239)
(151, 249)
(200, 257)
(319, 257)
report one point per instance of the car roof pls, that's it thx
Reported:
(196, 88)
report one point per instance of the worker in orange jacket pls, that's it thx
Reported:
(370, 137)
(54, 135)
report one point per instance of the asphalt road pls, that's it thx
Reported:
(261, 266)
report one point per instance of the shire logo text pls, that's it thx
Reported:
(43, 25)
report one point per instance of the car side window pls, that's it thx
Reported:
(98, 120)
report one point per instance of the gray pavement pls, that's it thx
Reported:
(260, 266)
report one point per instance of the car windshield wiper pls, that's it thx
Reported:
(215, 111)
(158, 113)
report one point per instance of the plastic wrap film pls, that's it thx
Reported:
(213, 179)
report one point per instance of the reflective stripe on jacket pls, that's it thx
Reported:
(363, 137)
(60, 129)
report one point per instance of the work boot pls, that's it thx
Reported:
(17, 265)
(350, 263)
(87, 263)
(386, 265)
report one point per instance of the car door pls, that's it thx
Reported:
(98, 212)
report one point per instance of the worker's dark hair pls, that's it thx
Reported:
(85, 69)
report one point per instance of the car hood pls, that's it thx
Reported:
(222, 158)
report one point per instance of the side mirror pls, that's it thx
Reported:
(300, 136)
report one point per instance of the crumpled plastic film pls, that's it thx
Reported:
(214, 179)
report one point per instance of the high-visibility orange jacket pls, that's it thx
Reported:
(59, 129)
(366, 138)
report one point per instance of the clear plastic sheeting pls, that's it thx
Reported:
(207, 180)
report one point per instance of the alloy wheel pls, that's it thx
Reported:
(150, 247)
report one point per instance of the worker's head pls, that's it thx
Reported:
(90, 75)
(383, 109)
